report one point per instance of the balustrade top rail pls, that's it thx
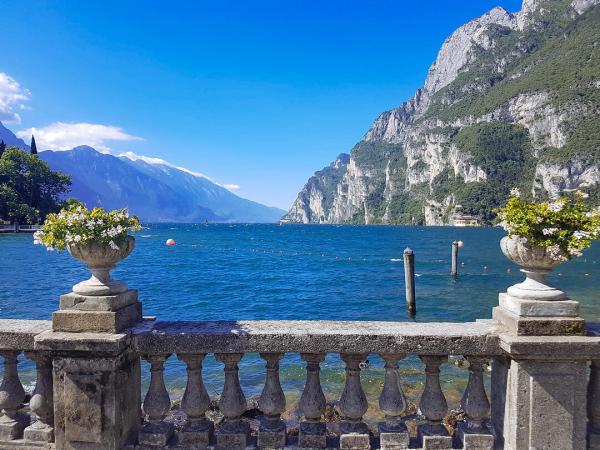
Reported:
(470, 338)
(20, 334)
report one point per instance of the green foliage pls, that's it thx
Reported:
(561, 56)
(583, 144)
(29, 190)
(33, 146)
(503, 151)
(563, 228)
(78, 225)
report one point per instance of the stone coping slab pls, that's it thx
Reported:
(553, 347)
(18, 334)
(470, 338)
(73, 343)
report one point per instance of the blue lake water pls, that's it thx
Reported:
(218, 272)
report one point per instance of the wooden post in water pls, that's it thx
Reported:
(455, 246)
(409, 281)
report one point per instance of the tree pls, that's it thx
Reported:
(33, 146)
(2, 147)
(29, 189)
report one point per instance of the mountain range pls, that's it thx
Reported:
(512, 100)
(151, 188)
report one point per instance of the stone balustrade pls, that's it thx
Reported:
(88, 392)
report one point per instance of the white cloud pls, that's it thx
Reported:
(12, 96)
(65, 136)
(232, 187)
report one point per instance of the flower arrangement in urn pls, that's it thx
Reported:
(97, 237)
(543, 235)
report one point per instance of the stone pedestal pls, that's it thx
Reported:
(101, 313)
(529, 317)
(156, 434)
(393, 437)
(272, 435)
(355, 441)
(434, 436)
(232, 435)
(96, 380)
(478, 439)
(312, 435)
(196, 434)
(545, 404)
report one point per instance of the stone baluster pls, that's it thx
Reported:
(41, 403)
(312, 404)
(198, 430)
(157, 404)
(433, 406)
(13, 421)
(233, 432)
(476, 405)
(272, 432)
(594, 405)
(353, 405)
(393, 433)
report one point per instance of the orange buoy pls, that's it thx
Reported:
(171, 242)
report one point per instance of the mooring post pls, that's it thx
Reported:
(409, 281)
(455, 246)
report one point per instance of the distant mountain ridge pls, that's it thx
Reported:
(156, 191)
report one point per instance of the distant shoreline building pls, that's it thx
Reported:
(465, 220)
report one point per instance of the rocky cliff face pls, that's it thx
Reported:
(511, 100)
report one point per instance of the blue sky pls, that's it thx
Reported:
(258, 94)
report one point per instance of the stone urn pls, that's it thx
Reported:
(100, 259)
(536, 264)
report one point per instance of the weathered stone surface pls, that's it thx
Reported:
(437, 442)
(475, 338)
(96, 400)
(16, 334)
(355, 441)
(98, 302)
(312, 435)
(22, 444)
(156, 434)
(232, 435)
(12, 427)
(474, 440)
(394, 441)
(275, 439)
(539, 326)
(196, 434)
(539, 308)
(550, 347)
(73, 343)
(76, 321)
(545, 405)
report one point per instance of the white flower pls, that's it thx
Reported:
(539, 220)
(515, 192)
(582, 235)
(556, 206)
(113, 245)
(550, 231)
(581, 194)
(555, 253)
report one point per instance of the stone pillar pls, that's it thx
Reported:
(474, 433)
(594, 406)
(393, 433)
(545, 405)
(433, 406)
(272, 432)
(96, 388)
(42, 401)
(312, 404)
(233, 432)
(197, 430)
(157, 404)
(353, 405)
(13, 421)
